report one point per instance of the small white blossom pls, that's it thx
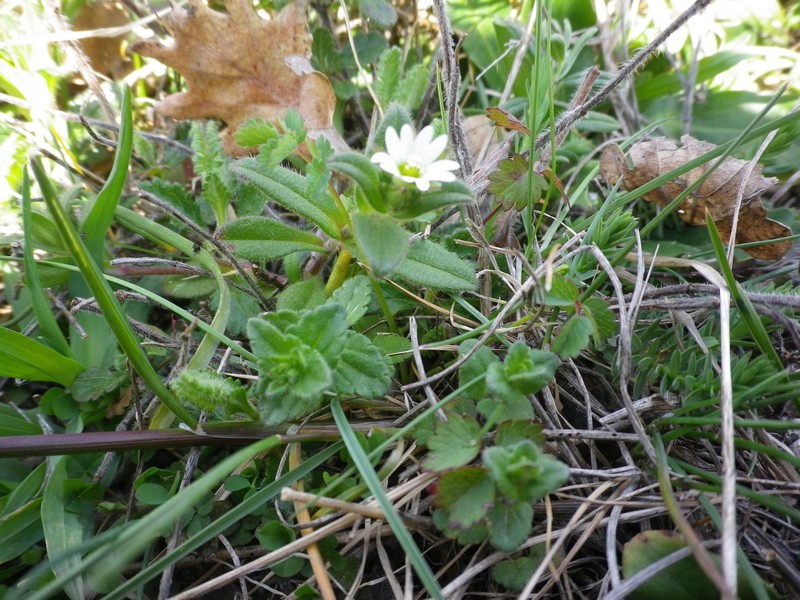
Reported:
(413, 158)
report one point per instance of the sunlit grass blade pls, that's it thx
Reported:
(401, 532)
(106, 300)
(101, 213)
(41, 307)
(748, 312)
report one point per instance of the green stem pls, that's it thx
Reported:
(339, 272)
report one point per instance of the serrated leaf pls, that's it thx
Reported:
(260, 239)
(254, 132)
(524, 371)
(515, 573)
(523, 472)
(511, 432)
(176, 195)
(382, 240)
(94, 382)
(362, 369)
(355, 295)
(604, 321)
(515, 185)
(503, 118)
(510, 525)
(323, 329)
(303, 295)
(387, 78)
(430, 265)
(476, 366)
(466, 494)
(454, 443)
(563, 292)
(379, 12)
(573, 337)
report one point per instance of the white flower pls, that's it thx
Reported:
(413, 158)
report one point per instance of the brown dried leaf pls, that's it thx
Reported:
(239, 66)
(717, 194)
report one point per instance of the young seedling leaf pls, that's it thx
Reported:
(382, 240)
(466, 494)
(573, 337)
(510, 524)
(455, 443)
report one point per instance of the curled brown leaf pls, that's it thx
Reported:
(716, 194)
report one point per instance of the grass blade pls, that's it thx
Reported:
(106, 300)
(402, 534)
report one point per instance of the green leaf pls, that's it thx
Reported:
(175, 194)
(511, 432)
(208, 158)
(466, 493)
(387, 79)
(101, 213)
(604, 321)
(563, 292)
(379, 12)
(477, 365)
(573, 337)
(110, 307)
(48, 325)
(355, 295)
(510, 524)
(92, 383)
(515, 573)
(365, 173)
(383, 242)
(684, 579)
(289, 189)
(275, 535)
(25, 358)
(525, 371)
(64, 528)
(454, 193)
(153, 494)
(412, 87)
(210, 391)
(323, 329)
(523, 472)
(20, 530)
(454, 443)
(302, 295)
(430, 265)
(261, 239)
(395, 348)
(362, 369)
(515, 185)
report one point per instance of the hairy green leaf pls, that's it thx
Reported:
(466, 494)
(430, 265)
(260, 239)
(382, 240)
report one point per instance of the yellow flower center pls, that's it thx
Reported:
(409, 170)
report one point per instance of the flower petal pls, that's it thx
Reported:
(423, 185)
(433, 149)
(423, 140)
(392, 142)
(407, 139)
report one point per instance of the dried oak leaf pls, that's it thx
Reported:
(717, 194)
(239, 66)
